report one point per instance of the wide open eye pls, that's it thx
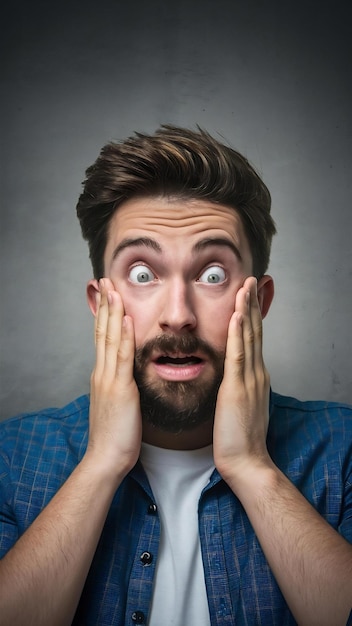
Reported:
(140, 274)
(213, 275)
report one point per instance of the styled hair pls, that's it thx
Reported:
(180, 163)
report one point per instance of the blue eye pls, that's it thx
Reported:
(141, 274)
(213, 275)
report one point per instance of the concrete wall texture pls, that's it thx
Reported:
(272, 78)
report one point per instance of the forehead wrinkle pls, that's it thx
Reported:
(132, 242)
(208, 242)
(152, 222)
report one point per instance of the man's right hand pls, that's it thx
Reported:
(115, 429)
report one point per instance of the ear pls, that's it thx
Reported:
(92, 291)
(265, 290)
(93, 288)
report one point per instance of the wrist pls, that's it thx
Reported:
(246, 477)
(105, 468)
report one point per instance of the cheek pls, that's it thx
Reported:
(222, 323)
(142, 313)
(213, 322)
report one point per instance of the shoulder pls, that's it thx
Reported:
(47, 428)
(286, 406)
(311, 442)
(38, 451)
(304, 426)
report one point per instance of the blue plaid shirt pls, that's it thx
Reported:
(310, 442)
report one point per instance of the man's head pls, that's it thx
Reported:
(177, 222)
(178, 163)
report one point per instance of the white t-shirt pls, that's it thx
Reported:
(177, 478)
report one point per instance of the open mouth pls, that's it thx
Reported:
(178, 361)
(177, 368)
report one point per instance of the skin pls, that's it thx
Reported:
(178, 300)
(42, 576)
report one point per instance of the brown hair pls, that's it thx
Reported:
(178, 162)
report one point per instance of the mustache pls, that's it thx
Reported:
(187, 344)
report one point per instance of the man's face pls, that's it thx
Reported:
(178, 266)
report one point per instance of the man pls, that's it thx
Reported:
(198, 496)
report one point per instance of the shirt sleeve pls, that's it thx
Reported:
(345, 527)
(8, 526)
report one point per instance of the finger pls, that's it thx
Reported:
(125, 361)
(108, 325)
(100, 327)
(108, 284)
(243, 306)
(259, 373)
(243, 295)
(98, 301)
(113, 333)
(257, 325)
(235, 354)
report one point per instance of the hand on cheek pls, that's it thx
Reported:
(242, 410)
(115, 421)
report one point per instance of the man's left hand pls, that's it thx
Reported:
(242, 409)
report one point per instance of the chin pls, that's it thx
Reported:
(175, 407)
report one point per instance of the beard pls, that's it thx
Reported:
(177, 406)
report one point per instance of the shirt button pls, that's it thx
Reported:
(152, 508)
(138, 617)
(146, 558)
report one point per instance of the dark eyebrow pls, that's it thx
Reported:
(148, 242)
(217, 241)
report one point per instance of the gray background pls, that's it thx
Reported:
(273, 78)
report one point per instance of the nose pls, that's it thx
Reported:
(178, 314)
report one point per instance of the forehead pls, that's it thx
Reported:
(175, 223)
